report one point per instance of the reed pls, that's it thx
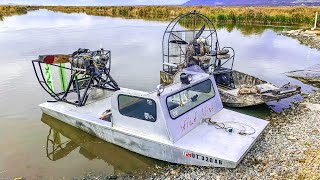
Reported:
(235, 15)
(302, 16)
(12, 10)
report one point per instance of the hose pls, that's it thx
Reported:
(222, 125)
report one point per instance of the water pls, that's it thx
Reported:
(136, 61)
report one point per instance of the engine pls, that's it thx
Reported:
(90, 61)
(197, 51)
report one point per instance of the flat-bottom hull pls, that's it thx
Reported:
(231, 98)
(204, 146)
(250, 99)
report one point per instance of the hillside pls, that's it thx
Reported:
(253, 2)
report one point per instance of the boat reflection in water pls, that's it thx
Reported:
(63, 139)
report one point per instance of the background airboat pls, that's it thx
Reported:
(191, 39)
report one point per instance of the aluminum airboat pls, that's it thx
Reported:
(183, 123)
(191, 39)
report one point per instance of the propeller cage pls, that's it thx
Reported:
(79, 74)
(189, 39)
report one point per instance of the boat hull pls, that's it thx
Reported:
(232, 99)
(179, 152)
(250, 99)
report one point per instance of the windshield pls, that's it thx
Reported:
(188, 99)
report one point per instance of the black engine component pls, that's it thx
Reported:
(224, 79)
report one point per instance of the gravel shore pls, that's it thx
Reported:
(288, 149)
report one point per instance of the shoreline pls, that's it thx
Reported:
(309, 38)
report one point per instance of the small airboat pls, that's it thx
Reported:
(191, 39)
(183, 123)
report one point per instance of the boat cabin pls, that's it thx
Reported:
(170, 114)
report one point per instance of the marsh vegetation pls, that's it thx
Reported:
(302, 16)
(13, 10)
(235, 15)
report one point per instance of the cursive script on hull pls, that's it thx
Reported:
(191, 121)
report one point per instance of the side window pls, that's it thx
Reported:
(137, 107)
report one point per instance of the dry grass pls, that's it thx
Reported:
(12, 10)
(235, 15)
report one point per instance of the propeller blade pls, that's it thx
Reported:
(200, 32)
(178, 41)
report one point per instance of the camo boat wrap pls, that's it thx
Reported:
(233, 99)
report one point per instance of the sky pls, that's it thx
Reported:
(94, 2)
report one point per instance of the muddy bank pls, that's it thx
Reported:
(289, 148)
(310, 38)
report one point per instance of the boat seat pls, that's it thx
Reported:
(172, 105)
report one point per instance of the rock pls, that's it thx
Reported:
(315, 131)
(291, 138)
(19, 178)
(313, 107)
(303, 105)
(274, 175)
(310, 106)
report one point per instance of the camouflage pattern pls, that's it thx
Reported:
(166, 78)
(245, 79)
(236, 99)
(197, 58)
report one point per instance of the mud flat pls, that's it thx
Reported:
(289, 149)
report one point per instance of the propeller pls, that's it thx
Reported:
(181, 41)
(178, 41)
(199, 33)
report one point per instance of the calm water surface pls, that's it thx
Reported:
(26, 146)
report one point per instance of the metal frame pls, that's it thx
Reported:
(170, 30)
(90, 80)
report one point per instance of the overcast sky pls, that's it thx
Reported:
(94, 2)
